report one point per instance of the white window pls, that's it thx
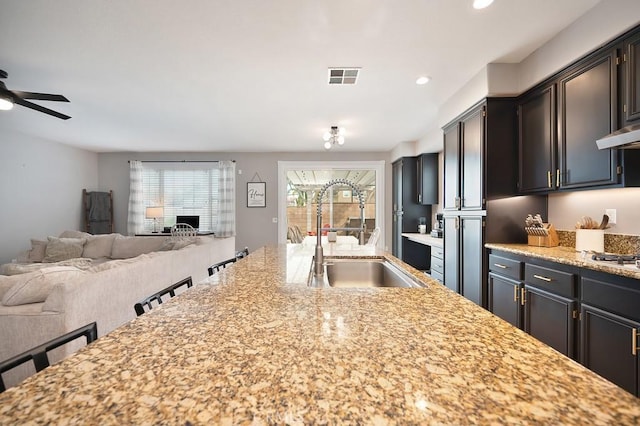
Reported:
(189, 189)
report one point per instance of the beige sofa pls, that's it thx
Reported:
(53, 298)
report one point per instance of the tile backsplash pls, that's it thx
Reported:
(613, 243)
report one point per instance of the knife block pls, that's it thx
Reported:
(542, 237)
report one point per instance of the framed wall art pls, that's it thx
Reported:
(256, 194)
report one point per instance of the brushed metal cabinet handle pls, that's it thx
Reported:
(634, 342)
(523, 292)
(540, 277)
(500, 266)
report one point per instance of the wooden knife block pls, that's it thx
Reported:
(543, 237)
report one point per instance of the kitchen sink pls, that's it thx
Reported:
(358, 273)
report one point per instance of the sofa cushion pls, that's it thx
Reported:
(63, 248)
(5, 284)
(127, 247)
(74, 234)
(98, 246)
(34, 287)
(37, 252)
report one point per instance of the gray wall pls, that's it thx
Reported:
(41, 186)
(254, 226)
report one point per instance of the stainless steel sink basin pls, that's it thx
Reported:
(358, 273)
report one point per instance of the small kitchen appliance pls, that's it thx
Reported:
(438, 231)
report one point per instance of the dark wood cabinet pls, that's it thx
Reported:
(427, 179)
(504, 289)
(480, 174)
(463, 153)
(407, 213)
(596, 322)
(471, 253)
(631, 79)
(550, 319)
(587, 110)
(464, 256)
(537, 140)
(504, 298)
(471, 177)
(608, 342)
(451, 167)
(560, 119)
(451, 225)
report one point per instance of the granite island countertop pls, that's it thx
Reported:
(255, 345)
(568, 256)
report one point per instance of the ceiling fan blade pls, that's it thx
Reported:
(40, 96)
(41, 108)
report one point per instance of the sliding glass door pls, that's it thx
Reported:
(300, 184)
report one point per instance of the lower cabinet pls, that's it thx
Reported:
(550, 319)
(463, 253)
(504, 298)
(610, 347)
(590, 316)
(610, 328)
(437, 263)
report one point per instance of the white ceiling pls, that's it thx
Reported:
(251, 75)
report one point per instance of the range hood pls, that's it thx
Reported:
(625, 138)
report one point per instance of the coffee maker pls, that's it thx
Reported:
(438, 231)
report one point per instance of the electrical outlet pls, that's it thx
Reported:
(612, 215)
(274, 219)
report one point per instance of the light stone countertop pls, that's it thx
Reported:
(425, 239)
(255, 345)
(568, 256)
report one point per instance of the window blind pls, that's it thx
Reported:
(182, 189)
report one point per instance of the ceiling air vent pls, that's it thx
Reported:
(343, 75)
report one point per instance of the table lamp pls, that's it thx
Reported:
(154, 213)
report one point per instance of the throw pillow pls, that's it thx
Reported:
(98, 246)
(35, 287)
(63, 248)
(37, 252)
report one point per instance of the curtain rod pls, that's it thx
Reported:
(180, 161)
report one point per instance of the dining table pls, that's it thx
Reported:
(254, 345)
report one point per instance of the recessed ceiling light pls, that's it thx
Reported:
(423, 80)
(481, 4)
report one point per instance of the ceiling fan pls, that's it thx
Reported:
(10, 97)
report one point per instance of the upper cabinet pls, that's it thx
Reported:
(587, 110)
(479, 155)
(463, 149)
(560, 120)
(427, 185)
(537, 139)
(631, 79)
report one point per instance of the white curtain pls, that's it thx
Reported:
(227, 193)
(135, 223)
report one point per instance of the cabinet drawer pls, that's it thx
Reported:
(553, 280)
(437, 275)
(506, 267)
(437, 252)
(621, 300)
(437, 264)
